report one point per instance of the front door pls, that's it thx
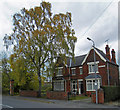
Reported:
(74, 86)
(80, 86)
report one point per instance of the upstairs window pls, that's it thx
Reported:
(59, 72)
(73, 71)
(81, 70)
(92, 67)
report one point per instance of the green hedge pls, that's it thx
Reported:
(46, 87)
(111, 93)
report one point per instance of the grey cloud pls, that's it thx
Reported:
(86, 13)
(106, 30)
(83, 15)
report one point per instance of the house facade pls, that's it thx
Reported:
(78, 77)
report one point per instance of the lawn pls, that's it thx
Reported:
(78, 97)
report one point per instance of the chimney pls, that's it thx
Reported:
(113, 56)
(108, 52)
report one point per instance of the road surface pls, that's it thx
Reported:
(24, 102)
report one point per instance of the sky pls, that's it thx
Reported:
(90, 18)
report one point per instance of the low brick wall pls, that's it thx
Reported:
(100, 97)
(12, 87)
(89, 93)
(28, 93)
(57, 95)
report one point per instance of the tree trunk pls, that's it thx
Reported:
(39, 92)
(39, 78)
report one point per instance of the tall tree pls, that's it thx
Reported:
(23, 73)
(5, 72)
(5, 65)
(40, 37)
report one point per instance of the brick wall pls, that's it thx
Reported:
(114, 74)
(100, 97)
(68, 85)
(89, 93)
(102, 68)
(28, 93)
(57, 95)
(12, 87)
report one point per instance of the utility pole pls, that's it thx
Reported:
(96, 85)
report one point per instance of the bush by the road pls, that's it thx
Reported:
(111, 93)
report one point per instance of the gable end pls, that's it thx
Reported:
(97, 53)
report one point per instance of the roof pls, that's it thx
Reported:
(78, 61)
(91, 76)
(104, 56)
(102, 53)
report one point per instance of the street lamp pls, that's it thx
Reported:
(94, 68)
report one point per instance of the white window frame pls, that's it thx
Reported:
(82, 70)
(58, 85)
(74, 71)
(59, 68)
(79, 81)
(99, 83)
(91, 64)
(76, 85)
(101, 66)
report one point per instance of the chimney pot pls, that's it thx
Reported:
(113, 56)
(112, 49)
(108, 52)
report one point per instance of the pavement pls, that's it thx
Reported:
(114, 103)
(41, 102)
(45, 100)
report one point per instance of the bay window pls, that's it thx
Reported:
(58, 85)
(90, 84)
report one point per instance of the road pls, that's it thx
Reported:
(12, 102)
(24, 102)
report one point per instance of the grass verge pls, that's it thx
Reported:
(78, 97)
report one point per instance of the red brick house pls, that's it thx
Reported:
(78, 76)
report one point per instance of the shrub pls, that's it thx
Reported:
(46, 87)
(5, 91)
(111, 93)
(16, 89)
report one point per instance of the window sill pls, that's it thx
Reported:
(59, 75)
(93, 72)
(90, 90)
(58, 90)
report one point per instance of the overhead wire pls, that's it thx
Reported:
(97, 18)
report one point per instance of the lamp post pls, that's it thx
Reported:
(94, 69)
